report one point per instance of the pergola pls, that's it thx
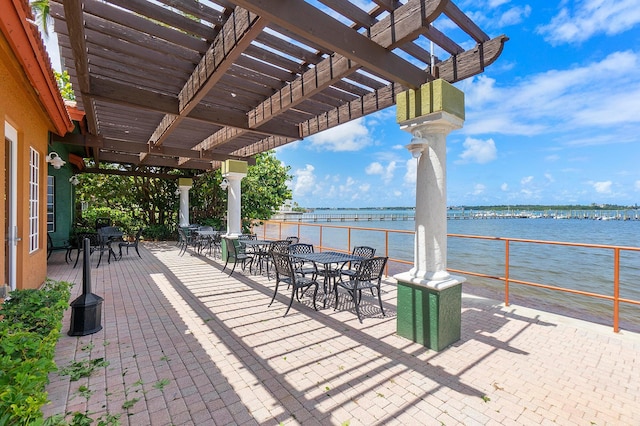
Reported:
(188, 84)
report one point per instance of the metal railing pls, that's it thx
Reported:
(274, 230)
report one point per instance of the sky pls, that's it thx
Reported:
(555, 120)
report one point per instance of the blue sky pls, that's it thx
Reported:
(555, 120)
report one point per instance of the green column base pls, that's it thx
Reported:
(428, 316)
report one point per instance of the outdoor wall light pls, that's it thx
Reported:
(73, 180)
(54, 159)
(224, 184)
(416, 147)
(178, 191)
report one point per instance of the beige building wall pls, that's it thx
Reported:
(21, 108)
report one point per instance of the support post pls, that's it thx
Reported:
(184, 185)
(233, 171)
(429, 298)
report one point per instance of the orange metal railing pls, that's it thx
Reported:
(267, 231)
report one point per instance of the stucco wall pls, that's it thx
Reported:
(19, 106)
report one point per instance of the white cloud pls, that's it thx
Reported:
(495, 3)
(504, 187)
(552, 157)
(514, 16)
(602, 187)
(561, 100)
(351, 136)
(589, 18)
(305, 181)
(637, 185)
(549, 177)
(478, 151)
(526, 180)
(410, 175)
(378, 169)
(374, 169)
(478, 189)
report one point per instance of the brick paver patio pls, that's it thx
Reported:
(188, 345)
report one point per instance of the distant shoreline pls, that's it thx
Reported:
(493, 207)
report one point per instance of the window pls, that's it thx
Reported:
(34, 200)
(51, 204)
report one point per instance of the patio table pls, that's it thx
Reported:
(327, 259)
(209, 235)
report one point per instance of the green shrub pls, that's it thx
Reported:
(160, 233)
(29, 330)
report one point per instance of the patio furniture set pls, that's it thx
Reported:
(295, 264)
(103, 240)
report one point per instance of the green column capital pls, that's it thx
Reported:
(435, 96)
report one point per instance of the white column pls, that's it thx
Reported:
(234, 203)
(184, 205)
(430, 246)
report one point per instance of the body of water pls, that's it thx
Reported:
(578, 268)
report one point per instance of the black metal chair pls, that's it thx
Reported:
(66, 246)
(368, 276)
(301, 266)
(293, 240)
(263, 256)
(286, 273)
(236, 253)
(363, 251)
(94, 243)
(133, 244)
(183, 240)
(106, 237)
(101, 222)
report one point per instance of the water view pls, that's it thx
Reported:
(578, 268)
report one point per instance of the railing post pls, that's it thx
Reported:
(616, 290)
(386, 251)
(506, 273)
(320, 237)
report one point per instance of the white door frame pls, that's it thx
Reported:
(11, 135)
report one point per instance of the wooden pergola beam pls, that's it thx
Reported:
(237, 33)
(307, 21)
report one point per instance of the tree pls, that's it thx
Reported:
(264, 190)
(42, 13)
(134, 201)
(64, 85)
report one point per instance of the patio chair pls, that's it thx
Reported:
(94, 243)
(183, 240)
(216, 245)
(101, 222)
(201, 241)
(293, 240)
(66, 246)
(369, 275)
(133, 244)
(263, 256)
(286, 273)
(236, 253)
(363, 251)
(106, 236)
(300, 265)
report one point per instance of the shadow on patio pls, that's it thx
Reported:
(187, 344)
